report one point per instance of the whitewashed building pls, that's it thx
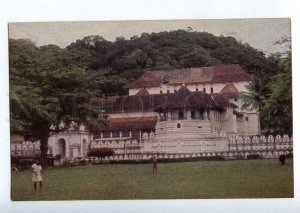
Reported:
(182, 111)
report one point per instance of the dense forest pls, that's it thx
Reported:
(46, 81)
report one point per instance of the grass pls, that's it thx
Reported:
(202, 179)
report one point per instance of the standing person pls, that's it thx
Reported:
(282, 159)
(37, 175)
(154, 161)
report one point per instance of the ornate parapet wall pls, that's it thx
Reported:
(25, 148)
(120, 147)
(218, 144)
(261, 143)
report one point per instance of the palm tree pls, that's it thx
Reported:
(254, 98)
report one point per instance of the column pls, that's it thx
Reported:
(189, 117)
(205, 114)
(67, 149)
(140, 135)
(81, 147)
(121, 134)
(110, 134)
(130, 134)
(101, 134)
(169, 116)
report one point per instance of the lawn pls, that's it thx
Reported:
(202, 179)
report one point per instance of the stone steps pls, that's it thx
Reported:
(188, 129)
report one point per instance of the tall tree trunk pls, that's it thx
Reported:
(43, 136)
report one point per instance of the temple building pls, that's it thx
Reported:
(179, 113)
(174, 111)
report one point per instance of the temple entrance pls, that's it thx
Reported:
(62, 147)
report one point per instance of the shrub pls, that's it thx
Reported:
(26, 163)
(253, 156)
(100, 152)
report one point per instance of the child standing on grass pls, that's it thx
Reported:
(37, 175)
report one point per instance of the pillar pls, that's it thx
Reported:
(189, 116)
(67, 149)
(81, 147)
(140, 135)
(205, 114)
(169, 116)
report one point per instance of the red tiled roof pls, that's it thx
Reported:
(183, 98)
(230, 91)
(130, 123)
(148, 79)
(216, 74)
(229, 73)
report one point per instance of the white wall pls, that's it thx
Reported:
(217, 87)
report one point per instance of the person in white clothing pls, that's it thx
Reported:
(37, 175)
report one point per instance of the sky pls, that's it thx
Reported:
(259, 33)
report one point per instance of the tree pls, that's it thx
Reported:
(254, 98)
(45, 92)
(279, 102)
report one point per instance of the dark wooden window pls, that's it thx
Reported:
(125, 133)
(178, 125)
(106, 134)
(116, 134)
(180, 115)
(211, 90)
(193, 114)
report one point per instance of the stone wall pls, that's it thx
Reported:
(235, 147)
(25, 148)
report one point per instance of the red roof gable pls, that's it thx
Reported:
(230, 91)
(216, 74)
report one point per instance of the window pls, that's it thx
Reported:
(247, 118)
(116, 134)
(193, 114)
(180, 115)
(211, 90)
(168, 91)
(125, 134)
(196, 89)
(175, 90)
(106, 135)
(160, 92)
(204, 90)
(178, 125)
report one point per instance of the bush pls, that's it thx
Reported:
(253, 156)
(289, 155)
(100, 152)
(25, 163)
